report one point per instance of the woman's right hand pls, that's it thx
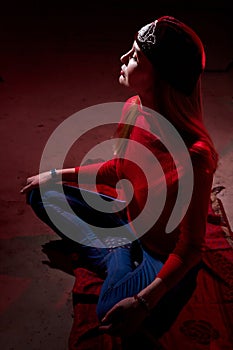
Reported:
(36, 181)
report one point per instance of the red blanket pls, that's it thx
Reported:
(206, 321)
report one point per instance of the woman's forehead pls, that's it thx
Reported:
(138, 51)
(136, 47)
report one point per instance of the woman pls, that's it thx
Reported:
(163, 68)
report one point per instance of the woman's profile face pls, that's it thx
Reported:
(136, 72)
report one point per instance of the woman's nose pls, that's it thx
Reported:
(123, 58)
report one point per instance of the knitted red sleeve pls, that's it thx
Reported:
(98, 173)
(187, 252)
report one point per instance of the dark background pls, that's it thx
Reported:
(57, 58)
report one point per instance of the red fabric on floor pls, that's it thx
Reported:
(84, 334)
(206, 321)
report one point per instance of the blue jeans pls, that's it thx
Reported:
(127, 269)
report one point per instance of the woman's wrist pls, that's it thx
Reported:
(152, 293)
(67, 174)
(142, 302)
(54, 174)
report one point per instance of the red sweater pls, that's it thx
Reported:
(181, 248)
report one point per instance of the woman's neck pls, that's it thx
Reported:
(148, 100)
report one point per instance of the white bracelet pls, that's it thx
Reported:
(53, 173)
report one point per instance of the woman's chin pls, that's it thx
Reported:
(123, 81)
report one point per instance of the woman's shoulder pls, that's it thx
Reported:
(133, 100)
(130, 103)
(200, 147)
(203, 155)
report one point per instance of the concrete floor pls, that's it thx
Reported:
(54, 62)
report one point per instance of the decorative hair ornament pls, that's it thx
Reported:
(147, 33)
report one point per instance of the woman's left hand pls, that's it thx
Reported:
(124, 318)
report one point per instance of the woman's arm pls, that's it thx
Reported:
(188, 250)
(99, 173)
(47, 176)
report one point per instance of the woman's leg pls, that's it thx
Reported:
(89, 245)
(124, 279)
